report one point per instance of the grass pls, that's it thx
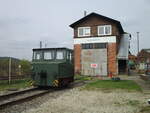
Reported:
(129, 102)
(145, 109)
(133, 102)
(109, 84)
(82, 78)
(15, 84)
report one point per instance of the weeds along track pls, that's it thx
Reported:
(21, 96)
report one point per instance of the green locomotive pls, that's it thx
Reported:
(52, 67)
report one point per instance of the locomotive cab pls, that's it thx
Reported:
(52, 66)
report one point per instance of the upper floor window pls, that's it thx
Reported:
(104, 30)
(84, 31)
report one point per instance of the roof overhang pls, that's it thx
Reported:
(99, 16)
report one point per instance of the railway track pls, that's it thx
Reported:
(21, 96)
(29, 94)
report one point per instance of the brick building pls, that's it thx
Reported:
(144, 56)
(100, 46)
(143, 61)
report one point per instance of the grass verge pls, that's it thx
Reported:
(145, 109)
(82, 78)
(15, 84)
(109, 84)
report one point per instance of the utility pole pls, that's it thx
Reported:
(138, 50)
(85, 13)
(9, 70)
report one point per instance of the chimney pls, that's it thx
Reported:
(85, 13)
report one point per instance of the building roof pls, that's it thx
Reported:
(99, 16)
(59, 48)
(146, 50)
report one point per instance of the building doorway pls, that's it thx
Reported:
(122, 66)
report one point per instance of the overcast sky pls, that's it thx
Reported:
(24, 23)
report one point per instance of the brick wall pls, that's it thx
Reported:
(77, 58)
(93, 23)
(143, 56)
(112, 60)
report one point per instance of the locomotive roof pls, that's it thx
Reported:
(61, 48)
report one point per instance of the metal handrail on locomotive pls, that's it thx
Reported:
(52, 67)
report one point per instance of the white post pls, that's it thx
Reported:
(19, 69)
(9, 70)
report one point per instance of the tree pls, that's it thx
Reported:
(25, 67)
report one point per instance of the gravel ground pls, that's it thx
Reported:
(35, 103)
(81, 101)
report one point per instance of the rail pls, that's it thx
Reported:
(21, 96)
(29, 94)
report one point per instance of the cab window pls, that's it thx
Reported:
(59, 55)
(48, 55)
(37, 55)
(70, 56)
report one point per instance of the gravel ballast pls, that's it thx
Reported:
(83, 101)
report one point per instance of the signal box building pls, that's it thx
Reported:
(100, 46)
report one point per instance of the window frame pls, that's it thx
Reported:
(52, 55)
(104, 28)
(84, 31)
(56, 57)
(35, 53)
(94, 46)
(100, 45)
